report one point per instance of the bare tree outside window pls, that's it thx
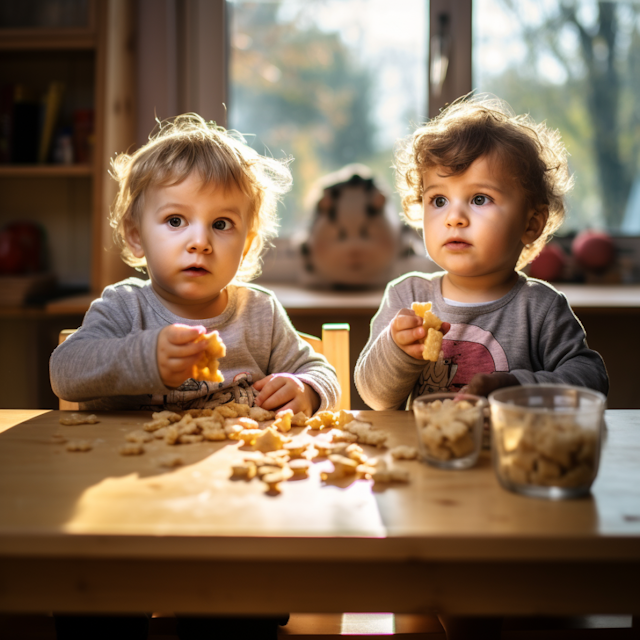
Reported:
(575, 64)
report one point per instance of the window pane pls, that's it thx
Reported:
(575, 64)
(329, 82)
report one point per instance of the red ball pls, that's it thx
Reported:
(593, 250)
(549, 264)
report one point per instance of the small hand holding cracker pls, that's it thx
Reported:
(185, 352)
(410, 331)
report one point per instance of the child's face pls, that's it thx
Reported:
(476, 223)
(193, 236)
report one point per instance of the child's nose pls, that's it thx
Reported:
(456, 216)
(200, 241)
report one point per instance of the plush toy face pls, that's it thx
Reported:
(352, 242)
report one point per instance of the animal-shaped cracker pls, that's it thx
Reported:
(207, 366)
(433, 340)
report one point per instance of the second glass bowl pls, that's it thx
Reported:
(546, 439)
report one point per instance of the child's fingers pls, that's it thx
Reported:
(259, 384)
(180, 334)
(444, 329)
(409, 336)
(279, 390)
(272, 384)
(279, 398)
(406, 319)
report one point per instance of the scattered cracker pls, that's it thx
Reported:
(171, 460)
(261, 415)
(131, 449)
(283, 420)
(299, 419)
(73, 419)
(171, 416)
(404, 452)
(244, 471)
(138, 436)
(270, 440)
(300, 468)
(79, 445)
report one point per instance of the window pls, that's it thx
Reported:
(575, 64)
(329, 82)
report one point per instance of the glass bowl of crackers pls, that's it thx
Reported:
(450, 428)
(546, 439)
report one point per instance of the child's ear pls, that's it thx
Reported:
(248, 242)
(536, 222)
(133, 239)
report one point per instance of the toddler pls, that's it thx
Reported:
(487, 189)
(195, 207)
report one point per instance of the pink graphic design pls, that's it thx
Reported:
(466, 350)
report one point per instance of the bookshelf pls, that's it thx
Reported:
(96, 65)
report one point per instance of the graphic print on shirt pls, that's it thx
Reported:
(200, 394)
(466, 350)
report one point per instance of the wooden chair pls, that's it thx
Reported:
(334, 345)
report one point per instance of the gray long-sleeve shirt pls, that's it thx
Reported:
(531, 332)
(110, 362)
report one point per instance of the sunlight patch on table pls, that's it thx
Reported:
(201, 499)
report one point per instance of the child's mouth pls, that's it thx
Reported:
(457, 244)
(196, 271)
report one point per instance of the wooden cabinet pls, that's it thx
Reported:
(95, 63)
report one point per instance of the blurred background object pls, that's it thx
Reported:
(550, 264)
(593, 250)
(23, 263)
(22, 248)
(353, 240)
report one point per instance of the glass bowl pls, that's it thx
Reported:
(546, 439)
(449, 428)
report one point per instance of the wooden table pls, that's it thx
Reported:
(97, 531)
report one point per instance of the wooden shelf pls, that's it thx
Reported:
(47, 39)
(46, 171)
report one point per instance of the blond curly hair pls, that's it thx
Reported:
(187, 143)
(475, 126)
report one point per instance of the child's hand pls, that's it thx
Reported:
(283, 391)
(177, 352)
(407, 331)
(482, 384)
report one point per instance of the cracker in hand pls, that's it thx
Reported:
(207, 366)
(433, 340)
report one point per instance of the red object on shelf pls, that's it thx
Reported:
(550, 264)
(593, 250)
(21, 249)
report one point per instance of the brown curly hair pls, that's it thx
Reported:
(475, 126)
(188, 143)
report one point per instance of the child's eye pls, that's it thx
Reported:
(174, 222)
(480, 200)
(222, 225)
(439, 201)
